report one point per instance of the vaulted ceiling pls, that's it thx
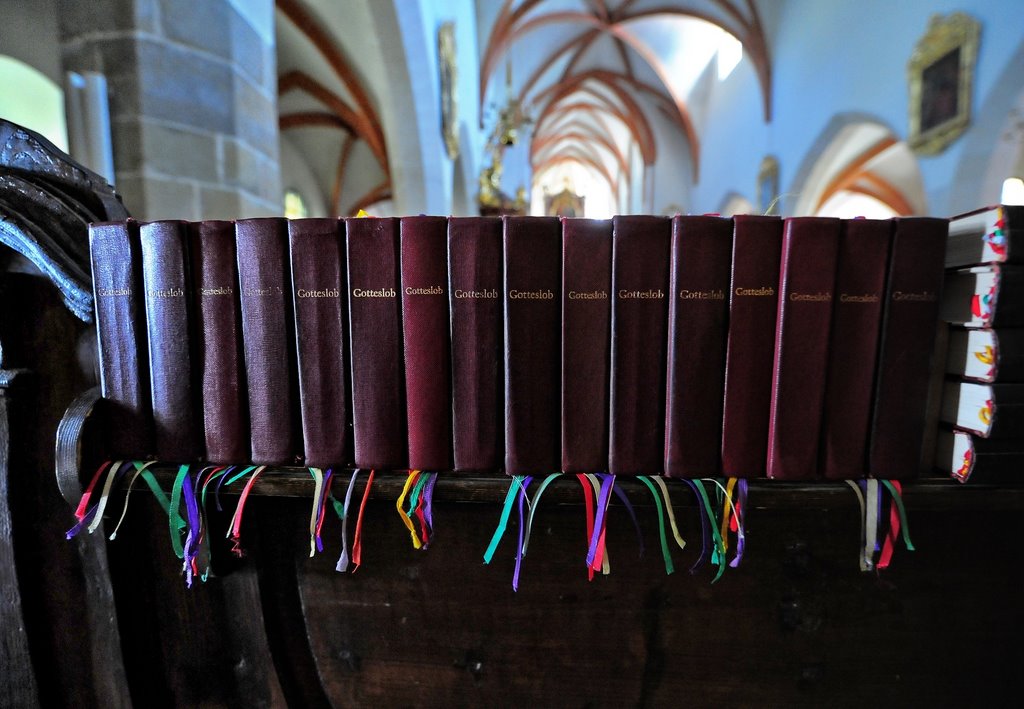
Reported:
(602, 81)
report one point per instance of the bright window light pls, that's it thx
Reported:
(1013, 191)
(730, 51)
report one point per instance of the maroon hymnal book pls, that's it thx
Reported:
(853, 348)
(586, 342)
(753, 302)
(426, 334)
(640, 266)
(375, 333)
(168, 287)
(533, 282)
(121, 335)
(268, 339)
(475, 301)
(218, 341)
(698, 314)
(317, 252)
(807, 280)
(906, 352)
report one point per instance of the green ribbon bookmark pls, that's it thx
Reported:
(175, 504)
(666, 554)
(903, 514)
(517, 480)
(718, 553)
(536, 501)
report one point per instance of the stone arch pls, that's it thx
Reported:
(857, 154)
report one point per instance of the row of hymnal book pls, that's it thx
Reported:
(692, 346)
(982, 405)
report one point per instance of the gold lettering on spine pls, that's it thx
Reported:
(762, 291)
(865, 298)
(923, 297)
(701, 295)
(166, 292)
(370, 293)
(588, 295)
(655, 294)
(486, 293)
(432, 290)
(530, 295)
(811, 297)
(110, 292)
(325, 293)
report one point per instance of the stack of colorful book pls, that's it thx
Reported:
(983, 395)
(694, 346)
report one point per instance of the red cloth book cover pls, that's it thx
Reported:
(426, 335)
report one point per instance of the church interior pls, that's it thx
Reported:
(231, 109)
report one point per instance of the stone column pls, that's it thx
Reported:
(193, 101)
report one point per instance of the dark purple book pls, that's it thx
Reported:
(172, 374)
(316, 250)
(218, 333)
(806, 294)
(698, 316)
(533, 282)
(586, 343)
(268, 340)
(116, 257)
(375, 333)
(640, 266)
(853, 349)
(906, 352)
(475, 302)
(753, 304)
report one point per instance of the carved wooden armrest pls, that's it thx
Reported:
(69, 445)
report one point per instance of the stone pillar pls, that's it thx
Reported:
(193, 101)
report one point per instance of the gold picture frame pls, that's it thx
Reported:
(940, 75)
(449, 80)
(768, 185)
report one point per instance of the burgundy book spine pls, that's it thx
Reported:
(426, 334)
(533, 282)
(807, 279)
(165, 275)
(218, 334)
(906, 352)
(317, 253)
(586, 343)
(853, 350)
(268, 339)
(121, 335)
(698, 316)
(756, 245)
(375, 332)
(475, 284)
(640, 267)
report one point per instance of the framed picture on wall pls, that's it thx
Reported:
(768, 186)
(940, 75)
